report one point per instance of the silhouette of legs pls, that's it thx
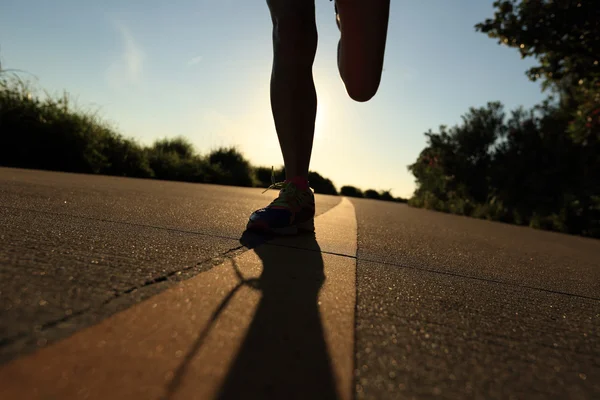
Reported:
(293, 94)
(363, 25)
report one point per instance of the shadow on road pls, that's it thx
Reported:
(284, 354)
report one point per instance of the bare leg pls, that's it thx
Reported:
(293, 94)
(364, 25)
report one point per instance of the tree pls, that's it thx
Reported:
(457, 161)
(563, 35)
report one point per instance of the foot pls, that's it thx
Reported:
(292, 211)
(361, 49)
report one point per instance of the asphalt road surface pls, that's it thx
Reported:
(386, 302)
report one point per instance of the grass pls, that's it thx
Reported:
(41, 131)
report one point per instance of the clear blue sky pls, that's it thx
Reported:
(200, 69)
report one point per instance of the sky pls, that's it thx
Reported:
(201, 69)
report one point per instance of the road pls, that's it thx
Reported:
(128, 288)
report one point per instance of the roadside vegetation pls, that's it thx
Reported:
(47, 132)
(538, 167)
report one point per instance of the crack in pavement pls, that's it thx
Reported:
(27, 338)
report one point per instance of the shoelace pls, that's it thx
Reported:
(275, 185)
(287, 191)
(284, 188)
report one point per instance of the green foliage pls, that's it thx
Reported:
(124, 157)
(540, 167)
(35, 130)
(528, 170)
(318, 183)
(457, 161)
(351, 191)
(178, 146)
(563, 35)
(236, 169)
(46, 132)
(386, 195)
(372, 194)
(175, 160)
(263, 176)
(53, 134)
(321, 185)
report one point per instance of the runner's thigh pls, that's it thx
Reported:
(301, 9)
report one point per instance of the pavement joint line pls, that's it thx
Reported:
(265, 241)
(136, 224)
(119, 294)
(119, 222)
(433, 271)
(163, 278)
(126, 341)
(221, 257)
(332, 253)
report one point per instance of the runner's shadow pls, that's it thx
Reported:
(284, 354)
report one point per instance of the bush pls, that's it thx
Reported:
(262, 176)
(540, 222)
(48, 134)
(179, 145)
(351, 191)
(371, 194)
(386, 195)
(174, 159)
(52, 134)
(460, 206)
(321, 185)
(416, 201)
(432, 202)
(124, 157)
(236, 169)
(317, 182)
